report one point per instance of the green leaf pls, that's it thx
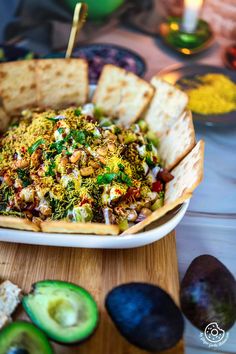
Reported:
(121, 167)
(79, 136)
(60, 130)
(24, 176)
(150, 162)
(50, 171)
(149, 147)
(77, 112)
(106, 178)
(123, 177)
(35, 146)
(58, 146)
(55, 119)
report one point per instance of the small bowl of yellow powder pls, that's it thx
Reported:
(211, 91)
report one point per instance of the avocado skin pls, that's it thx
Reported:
(208, 293)
(145, 315)
(10, 334)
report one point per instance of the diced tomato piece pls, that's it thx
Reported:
(157, 186)
(164, 175)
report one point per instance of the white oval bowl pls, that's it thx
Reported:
(152, 234)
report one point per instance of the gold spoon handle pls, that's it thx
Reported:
(80, 13)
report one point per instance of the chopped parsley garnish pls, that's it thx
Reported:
(106, 178)
(24, 176)
(35, 146)
(121, 167)
(79, 136)
(58, 146)
(149, 162)
(149, 147)
(123, 177)
(55, 119)
(50, 171)
(77, 112)
(117, 130)
(60, 130)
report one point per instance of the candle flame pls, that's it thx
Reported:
(193, 4)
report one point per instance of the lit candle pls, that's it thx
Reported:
(192, 10)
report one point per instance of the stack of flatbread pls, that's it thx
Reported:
(59, 83)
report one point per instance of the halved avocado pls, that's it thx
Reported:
(66, 312)
(23, 338)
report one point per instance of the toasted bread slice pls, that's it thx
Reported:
(122, 94)
(18, 85)
(167, 105)
(9, 299)
(62, 82)
(177, 141)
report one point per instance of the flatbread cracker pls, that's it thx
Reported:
(62, 82)
(18, 85)
(122, 94)
(12, 222)
(187, 174)
(176, 143)
(166, 106)
(156, 215)
(79, 228)
(4, 119)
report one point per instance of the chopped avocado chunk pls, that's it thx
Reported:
(152, 137)
(66, 312)
(124, 225)
(23, 338)
(82, 213)
(158, 204)
(129, 137)
(143, 125)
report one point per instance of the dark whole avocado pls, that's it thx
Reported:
(208, 293)
(65, 312)
(145, 315)
(23, 338)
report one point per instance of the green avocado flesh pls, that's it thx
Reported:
(66, 312)
(23, 338)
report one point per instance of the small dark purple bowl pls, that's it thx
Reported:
(99, 55)
(12, 53)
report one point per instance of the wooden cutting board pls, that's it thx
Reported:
(98, 271)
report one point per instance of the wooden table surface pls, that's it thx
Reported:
(98, 271)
